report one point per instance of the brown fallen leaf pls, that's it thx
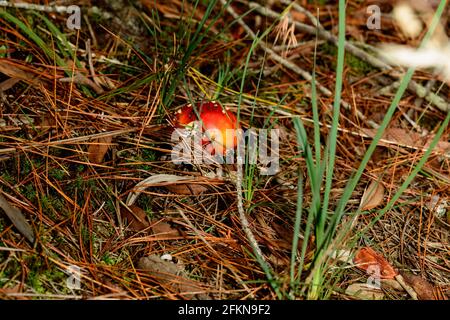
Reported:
(173, 276)
(98, 149)
(370, 261)
(373, 196)
(162, 269)
(17, 71)
(285, 236)
(161, 180)
(424, 289)
(8, 84)
(135, 218)
(17, 218)
(163, 229)
(409, 139)
(186, 188)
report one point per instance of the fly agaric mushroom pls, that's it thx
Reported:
(219, 125)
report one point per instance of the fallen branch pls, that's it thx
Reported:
(36, 7)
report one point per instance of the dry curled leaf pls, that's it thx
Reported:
(17, 71)
(186, 188)
(374, 264)
(169, 179)
(17, 218)
(8, 84)
(135, 218)
(98, 149)
(373, 196)
(424, 289)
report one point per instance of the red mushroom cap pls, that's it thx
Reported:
(215, 121)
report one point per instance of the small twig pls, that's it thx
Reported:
(36, 7)
(242, 217)
(197, 232)
(297, 45)
(405, 286)
(83, 80)
(91, 65)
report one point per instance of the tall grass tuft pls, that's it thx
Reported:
(321, 221)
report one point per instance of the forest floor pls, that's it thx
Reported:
(92, 205)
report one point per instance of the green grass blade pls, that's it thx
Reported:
(335, 122)
(33, 36)
(315, 108)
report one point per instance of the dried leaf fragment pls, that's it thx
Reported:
(8, 84)
(186, 188)
(173, 276)
(373, 196)
(163, 229)
(374, 264)
(162, 269)
(18, 219)
(98, 149)
(135, 218)
(16, 71)
(424, 289)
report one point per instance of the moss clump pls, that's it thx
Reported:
(359, 66)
